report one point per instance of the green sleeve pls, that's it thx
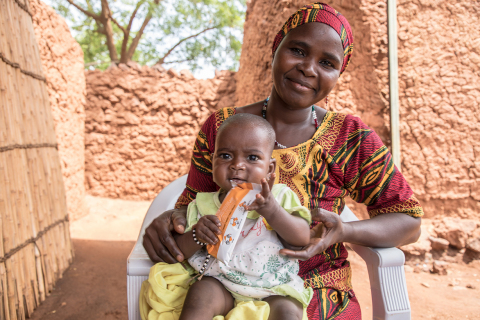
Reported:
(291, 203)
(192, 215)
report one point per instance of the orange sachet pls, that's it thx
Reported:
(232, 214)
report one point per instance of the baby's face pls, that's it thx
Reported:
(241, 155)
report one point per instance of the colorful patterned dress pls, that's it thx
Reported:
(344, 157)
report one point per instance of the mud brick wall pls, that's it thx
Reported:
(141, 124)
(62, 61)
(439, 58)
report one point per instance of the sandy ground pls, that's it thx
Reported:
(94, 287)
(110, 220)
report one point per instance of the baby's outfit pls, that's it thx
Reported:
(256, 269)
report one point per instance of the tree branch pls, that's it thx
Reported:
(133, 46)
(105, 19)
(136, 40)
(179, 61)
(85, 12)
(129, 27)
(123, 52)
(162, 60)
(119, 25)
(89, 5)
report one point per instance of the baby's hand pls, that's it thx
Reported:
(206, 229)
(265, 201)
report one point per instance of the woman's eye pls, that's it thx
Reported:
(252, 157)
(326, 63)
(297, 51)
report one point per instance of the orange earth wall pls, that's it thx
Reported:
(141, 122)
(140, 126)
(62, 60)
(439, 59)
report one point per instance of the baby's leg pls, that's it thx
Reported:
(284, 308)
(206, 299)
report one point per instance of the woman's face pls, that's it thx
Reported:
(307, 64)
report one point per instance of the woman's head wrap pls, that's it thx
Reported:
(320, 12)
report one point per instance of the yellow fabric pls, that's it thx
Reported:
(163, 294)
(251, 310)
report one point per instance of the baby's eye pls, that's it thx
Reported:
(253, 157)
(224, 156)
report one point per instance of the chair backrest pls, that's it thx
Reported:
(164, 201)
(385, 265)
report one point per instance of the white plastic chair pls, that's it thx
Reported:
(385, 265)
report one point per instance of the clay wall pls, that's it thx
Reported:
(141, 124)
(62, 61)
(439, 93)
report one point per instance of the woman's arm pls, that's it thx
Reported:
(386, 230)
(158, 240)
(207, 230)
(186, 244)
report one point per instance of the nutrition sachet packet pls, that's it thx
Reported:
(232, 215)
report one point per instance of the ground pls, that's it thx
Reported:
(94, 287)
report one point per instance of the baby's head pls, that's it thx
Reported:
(243, 151)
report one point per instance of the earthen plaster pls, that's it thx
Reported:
(438, 50)
(141, 125)
(62, 61)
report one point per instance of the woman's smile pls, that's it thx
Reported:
(300, 85)
(307, 64)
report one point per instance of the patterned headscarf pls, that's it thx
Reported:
(320, 12)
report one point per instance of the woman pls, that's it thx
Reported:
(321, 155)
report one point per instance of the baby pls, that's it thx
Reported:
(256, 271)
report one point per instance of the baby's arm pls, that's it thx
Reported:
(294, 230)
(205, 230)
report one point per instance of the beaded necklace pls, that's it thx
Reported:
(264, 114)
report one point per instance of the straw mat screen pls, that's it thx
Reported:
(35, 247)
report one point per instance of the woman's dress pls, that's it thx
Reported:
(344, 157)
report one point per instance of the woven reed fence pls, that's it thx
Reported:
(35, 247)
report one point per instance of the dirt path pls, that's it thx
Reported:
(94, 287)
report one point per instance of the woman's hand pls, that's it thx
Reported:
(207, 229)
(383, 231)
(329, 231)
(158, 240)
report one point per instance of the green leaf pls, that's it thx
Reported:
(172, 21)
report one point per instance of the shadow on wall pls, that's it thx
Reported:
(141, 124)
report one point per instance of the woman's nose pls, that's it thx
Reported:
(307, 67)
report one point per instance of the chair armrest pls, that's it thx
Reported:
(138, 262)
(387, 278)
